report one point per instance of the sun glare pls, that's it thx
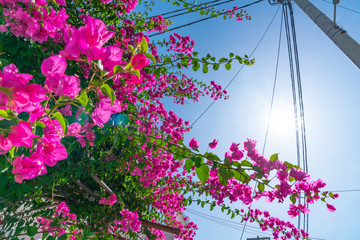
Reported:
(282, 122)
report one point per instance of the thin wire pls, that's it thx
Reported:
(242, 234)
(341, 6)
(231, 224)
(301, 105)
(201, 20)
(179, 14)
(184, 9)
(208, 216)
(147, 8)
(274, 86)
(262, 37)
(350, 190)
(293, 86)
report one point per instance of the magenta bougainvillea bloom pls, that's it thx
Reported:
(139, 61)
(194, 144)
(52, 65)
(214, 143)
(109, 201)
(22, 135)
(28, 167)
(5, 145)
(331, 208)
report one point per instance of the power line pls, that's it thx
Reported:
(349, 9)
(350, 190)
(184, 9)
(274, 86)
(232, 223)
(262, 37)
(200, 20)
(271, 105)
(179, 14)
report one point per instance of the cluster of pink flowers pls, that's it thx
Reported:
(158, 24)
(129, 222)
(36, 21)
(109, 201)
(62, 213)
(239, 13)
(180, 44)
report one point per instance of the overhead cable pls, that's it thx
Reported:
(241, 68)
(201, 20)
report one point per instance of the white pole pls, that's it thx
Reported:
(339, 36)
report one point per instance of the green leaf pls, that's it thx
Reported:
(11, 151)
(205, 68)
(7, 114)
(40, 124)
(223, 176)
(132, 49)
(32, 231)
(274, 157)
(293, 199)
(5, 90)
(137, 73)
(231, 55)
(83, 99)
(63, 237)
(185, 61)
(198, 161)
(141, 165)
(211, 157)
(195, 65)
(143, 45)
(150, 56)
(216, 66)
(228, 66)
(202, 11)
(246, 163)
(61, 120)
(203, 173)
(107, 91)
(118, 69)
(261, 187)
(188, 165)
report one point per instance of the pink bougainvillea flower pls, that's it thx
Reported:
(61, 2)
(5, 145)
(331, 208)
(139, 61)
(52, 65)
(194, 144)
(93, 35)
(74, 129)
(36, 93)
(28, 167)
(110, 57)
(100, 116)
(237, 155)
(22, 135)
(131, 78)
(53, 152)
(63, 85)
(214, 143)
(109, 201)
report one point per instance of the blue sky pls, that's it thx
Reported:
(330, 84)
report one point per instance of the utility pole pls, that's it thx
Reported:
(338, 35)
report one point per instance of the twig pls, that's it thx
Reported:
(102, 184)
(86, 189)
